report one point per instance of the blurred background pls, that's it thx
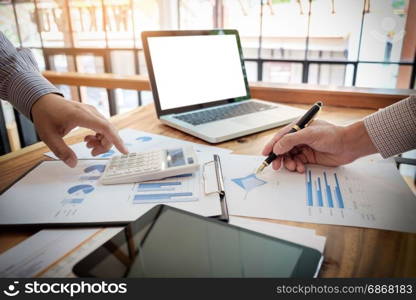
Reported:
(363, 43)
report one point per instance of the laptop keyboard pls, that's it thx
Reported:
(223, 112)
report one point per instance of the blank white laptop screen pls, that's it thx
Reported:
(197, 69)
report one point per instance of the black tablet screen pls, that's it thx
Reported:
(167, 242)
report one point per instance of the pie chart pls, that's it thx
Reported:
(98, 168)
(85, 188)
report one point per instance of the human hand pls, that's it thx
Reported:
(320, 143)
(54, 117)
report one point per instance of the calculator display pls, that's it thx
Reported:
(175, 158)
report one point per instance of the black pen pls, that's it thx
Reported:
(304, 121)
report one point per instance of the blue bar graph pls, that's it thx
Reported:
(76, 200)
(328, 192)
(338, 192)
(309, 199)
(72, 201)
(319, 193)
(157, 185)
(167, 197)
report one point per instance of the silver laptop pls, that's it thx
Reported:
(199, 85)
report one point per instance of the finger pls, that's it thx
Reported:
(103, 127)
(290, 140)
(89, 137)
(289, 164)
(277, 163)
(60, 149)
(269, 146)
(300, 167)
(302, 158)
(98, 150)
(110, 135)
(93, 144)
(106, 143)
(99, 146)
(309, 154)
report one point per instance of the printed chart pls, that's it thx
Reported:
(248, 183)
(174, 189)
(335, 192)
(58, 194)
(365, 193)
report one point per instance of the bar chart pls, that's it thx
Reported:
(323, 186)
(182, 188)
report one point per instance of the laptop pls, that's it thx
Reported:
(200, 86)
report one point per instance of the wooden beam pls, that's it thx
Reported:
(288, 93)
(104, 80)
(330, 95)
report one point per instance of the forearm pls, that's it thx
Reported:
(20, 81)
(392, 130)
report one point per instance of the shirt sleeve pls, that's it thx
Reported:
(21, 84)
(393, 129)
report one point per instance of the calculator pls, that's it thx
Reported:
(156, 164)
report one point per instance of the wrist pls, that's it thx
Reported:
(356, 141)
(43, 101)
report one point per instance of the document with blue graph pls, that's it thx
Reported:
(365, 193)
(53, 193)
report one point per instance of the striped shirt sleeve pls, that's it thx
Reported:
(21, 84)
(393, 129)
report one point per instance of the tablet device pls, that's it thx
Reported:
(168, 242)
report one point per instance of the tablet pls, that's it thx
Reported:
(167, 242)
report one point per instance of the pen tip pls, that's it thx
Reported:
(260, 169)
(319, 103)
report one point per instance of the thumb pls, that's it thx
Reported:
(269, 146)
(288, 141)
(60, 149)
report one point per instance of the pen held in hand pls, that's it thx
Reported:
(302, 123)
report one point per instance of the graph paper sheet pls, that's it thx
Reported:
(52, 193)
(366, 193)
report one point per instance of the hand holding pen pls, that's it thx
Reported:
(318, 143)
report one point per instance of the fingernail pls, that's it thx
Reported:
(71, 162)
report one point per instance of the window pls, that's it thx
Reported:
(327, 42)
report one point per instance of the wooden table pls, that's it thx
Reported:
(349, 252)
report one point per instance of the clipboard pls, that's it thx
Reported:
(214, 183)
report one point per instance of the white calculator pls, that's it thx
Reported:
(143, 166)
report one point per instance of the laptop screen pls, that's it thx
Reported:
(196, 69)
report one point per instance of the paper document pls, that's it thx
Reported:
(140, 141)
(298, 235)
(58, 194)
(365, 194)
(42, 252)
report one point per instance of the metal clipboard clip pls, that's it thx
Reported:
(214, 183)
